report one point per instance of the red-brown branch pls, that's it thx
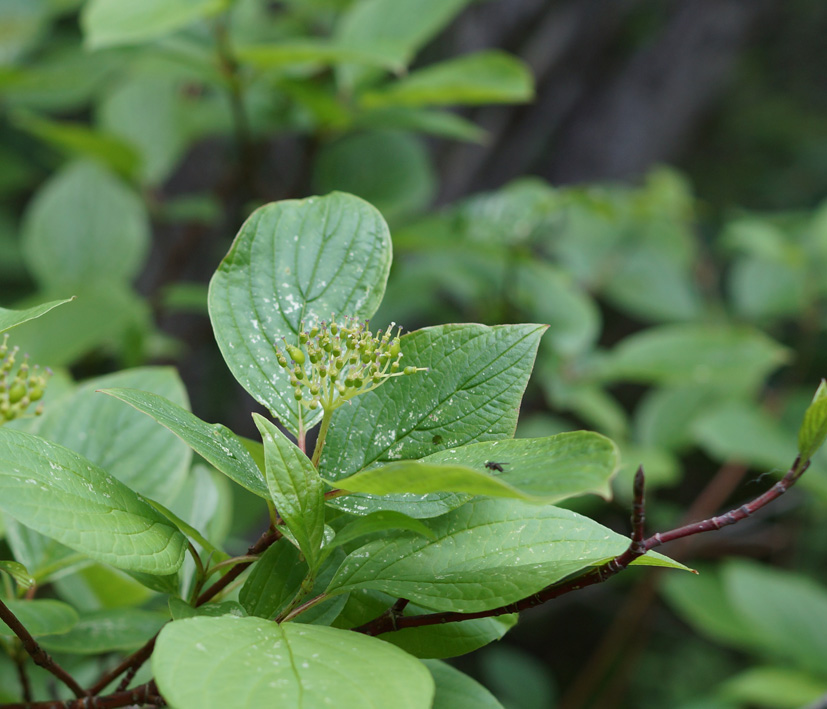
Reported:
(638, 546)
(37, 653)
(145, 694)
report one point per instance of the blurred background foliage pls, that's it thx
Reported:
(518, 148)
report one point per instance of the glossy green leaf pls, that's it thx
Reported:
(734, 358)
(483, 77)
(206, 502)
(295, 488)
(44, 558)
(78, 140)
(107, 631)
(455, 690)
(813, 429)
(215, 443)
(63, 495)
(274, 580)
(41, 616)
(420, 478)
(18, 572)
(83, 227)
(181, 609)
(247, 663)
(317, 51)
(486, 554)
(109, 23)
(12, 318)
(546, 469)
(292, 261)
(471, 392)
(122, 441)
(450, 639)
(378, 522)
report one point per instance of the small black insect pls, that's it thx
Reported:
(491, 465)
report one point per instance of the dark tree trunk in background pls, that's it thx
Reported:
(603, 110)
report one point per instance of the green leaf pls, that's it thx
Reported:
(215, 443)
(398, 27)
(63, 495)
(292, 261)
(739, 430)
(702, 602)
(44, 558)
(419, 120)
(107, 631)
(734, 358)
(18, 572)
(785, 610)
(455, 690)
(295, 488)
(41, 616)
(274, 580)
(84, 227)
(181, 609)
(774, 687)
(119, 439)
(160, 136)
(97, 586)
(247, 663)
(548, 294)
(762, 289)
(472, 391)
(450, 639)
(107, 23)
(317, 51)
(389, 169)
(813, 429)
(483, 77)
(12, 318)
(105, 316)
(546, 469)
(81, 141)
(420, 477)
(378, 522)
(486, 554)
(519, 678)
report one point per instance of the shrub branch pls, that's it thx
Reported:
(390, 620)
(37, 653)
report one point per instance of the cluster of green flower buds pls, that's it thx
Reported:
(21, 387)
(333, 362)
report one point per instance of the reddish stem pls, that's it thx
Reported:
(37, 653)
(638, 547)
